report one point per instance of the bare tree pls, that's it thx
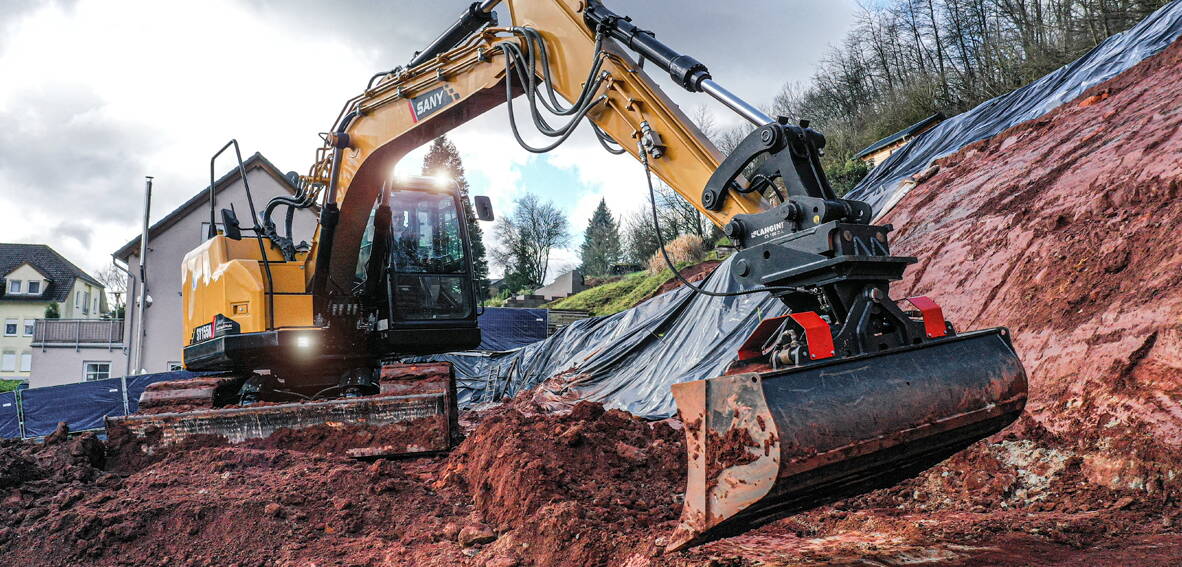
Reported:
(114, 281)
(526, 238)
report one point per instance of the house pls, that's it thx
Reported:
(565, 285)
(173, 236)
(879, 151)
(495, 287)
(36, 280)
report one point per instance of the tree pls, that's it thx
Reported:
(601, 242)
(53, 311)
(114, 281)
(443, 159)
(525, 240)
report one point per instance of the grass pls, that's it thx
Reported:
(618, 295)
(9, 385)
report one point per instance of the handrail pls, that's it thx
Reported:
(269, 287)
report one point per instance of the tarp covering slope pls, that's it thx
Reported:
(884, 185)
(627, 360)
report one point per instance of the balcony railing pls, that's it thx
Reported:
(78, 332)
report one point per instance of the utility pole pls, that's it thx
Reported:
(141, 304)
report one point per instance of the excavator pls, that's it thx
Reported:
(848, 392)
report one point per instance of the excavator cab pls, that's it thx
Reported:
(415, 271)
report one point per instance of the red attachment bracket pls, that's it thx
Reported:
(753, 346)
(933, 316)
(816, 332)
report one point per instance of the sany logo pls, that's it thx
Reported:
(423, 105)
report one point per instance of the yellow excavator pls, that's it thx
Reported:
(849, 391)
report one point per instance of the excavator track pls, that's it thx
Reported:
(414, 412)
(206, 392)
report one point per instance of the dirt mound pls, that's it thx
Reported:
(1060, 229)
(694, 273)
(595, 485)
(591, 487)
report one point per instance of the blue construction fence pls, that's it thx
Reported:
(35, 412)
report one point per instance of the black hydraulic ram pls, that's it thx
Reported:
(477, 16)
(686, 71)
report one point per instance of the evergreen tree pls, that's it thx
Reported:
(443, 159)
(601, 242)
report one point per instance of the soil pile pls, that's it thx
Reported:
(591, 487)
(1063, 229)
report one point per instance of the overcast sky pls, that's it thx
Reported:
(96, 94)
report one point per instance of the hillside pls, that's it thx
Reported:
(627, 291)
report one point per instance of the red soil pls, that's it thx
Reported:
(694, 273)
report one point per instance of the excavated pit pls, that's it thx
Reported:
(1062, 229)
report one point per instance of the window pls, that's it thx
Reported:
(34, 287)
(10, 327)
(14, 286)
(95, 308)
(8, 362)
(96, 371)
(26, 362)
(174, 365)
(29, 323)
(78, 299)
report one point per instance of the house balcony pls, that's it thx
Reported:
(78, 333)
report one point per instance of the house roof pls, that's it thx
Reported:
(60, 271)
(201, 199)
(908, 131)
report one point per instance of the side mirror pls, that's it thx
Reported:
(230, 225)
(484, 209)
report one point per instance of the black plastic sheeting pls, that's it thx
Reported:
(884, 185)
(627, 360)
(503, 328)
